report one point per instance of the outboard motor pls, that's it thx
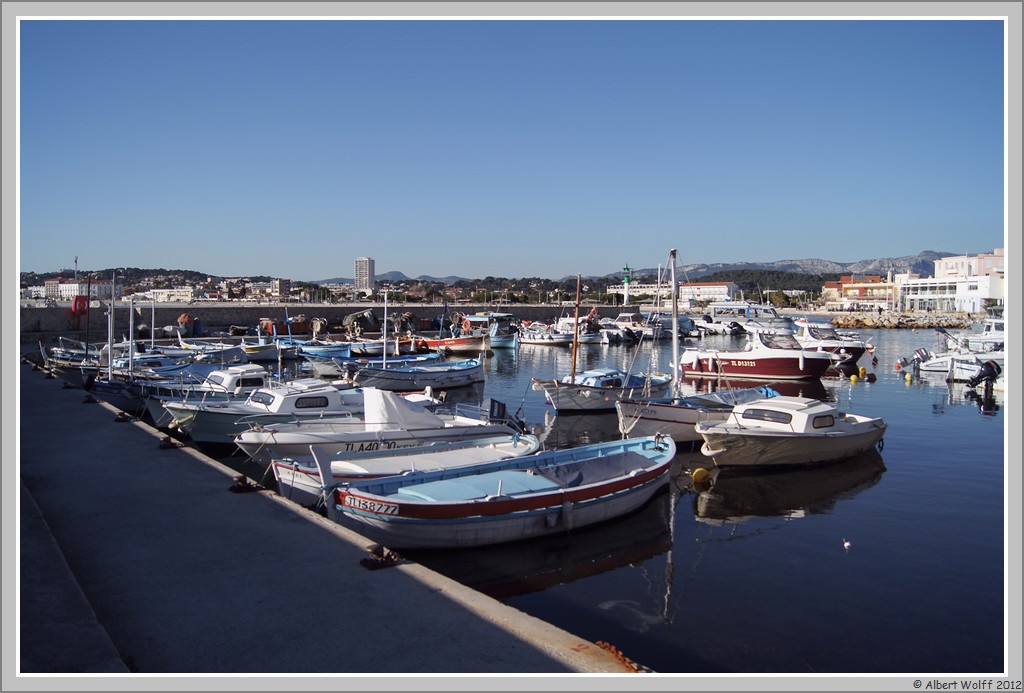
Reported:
(987, 374)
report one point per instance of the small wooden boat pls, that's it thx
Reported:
(439, 375)
(545, 335)
(501, 328)
(517, 498)
(302, 478)
(472, 344)
(786, 431)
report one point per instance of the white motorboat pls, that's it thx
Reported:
(824, 337)
(219, 422)
(387, 421)
(233, 382)
(303, 478)
(992, 336)
(787, 431)
(955, 366)
(723, 317)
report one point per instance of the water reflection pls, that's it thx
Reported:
(568, 431)
(733, 496)
(510, 570)
(813, 388)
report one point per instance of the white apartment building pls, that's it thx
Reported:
(972, 294)
(61, 289)
(985, 264)
(365, 274)
(964, 283)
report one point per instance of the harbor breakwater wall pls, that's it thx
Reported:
(47, 323)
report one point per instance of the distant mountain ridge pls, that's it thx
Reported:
(922, 264)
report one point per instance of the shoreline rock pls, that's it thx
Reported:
(915, 321)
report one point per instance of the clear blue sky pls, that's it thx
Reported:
(505, 148)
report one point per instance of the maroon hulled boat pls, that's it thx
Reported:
(764, 357)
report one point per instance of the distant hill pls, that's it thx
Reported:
(922, 264)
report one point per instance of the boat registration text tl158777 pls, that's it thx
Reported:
(371, 506)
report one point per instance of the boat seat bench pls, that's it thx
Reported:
(518, 482)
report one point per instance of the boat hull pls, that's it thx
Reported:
(437, 376)
(459, 345)
(638, 419)
(730, 447)
(791, 367)
(263, 446)
(394, 511)
(567, 397)
(554, 518)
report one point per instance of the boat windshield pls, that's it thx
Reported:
(778, 341)
(823, 332)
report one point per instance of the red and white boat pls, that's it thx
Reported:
(549, 492)
(472, 344)
(764, 357)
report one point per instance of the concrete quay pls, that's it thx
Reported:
(142, 557)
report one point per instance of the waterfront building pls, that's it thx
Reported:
(61, 289)
(969, 294)
(691, 294)
(365, 274)
(179, 294)
(983, 264)
(861, 292)
(962, 283)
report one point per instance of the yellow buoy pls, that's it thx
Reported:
(700, 475)
(907, 377)
(863, 371)
(853, 378)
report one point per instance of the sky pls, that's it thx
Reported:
(505, 148)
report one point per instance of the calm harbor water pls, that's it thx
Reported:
(750, 575)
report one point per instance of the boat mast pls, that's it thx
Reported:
(131, 334)
(384, 333)
(110, 326)
(675, 322)
(576, 329)
(88, 316)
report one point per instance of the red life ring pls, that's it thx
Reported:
(467, 325)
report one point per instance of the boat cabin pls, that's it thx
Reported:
(787, 415)
(239, 379)
(305, 396)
